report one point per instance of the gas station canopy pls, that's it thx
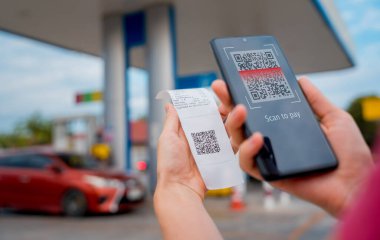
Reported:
(311, 32)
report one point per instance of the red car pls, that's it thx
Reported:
(65, 183)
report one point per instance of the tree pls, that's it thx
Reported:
(35, 130)
(367, 128)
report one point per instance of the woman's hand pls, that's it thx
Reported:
(176, 165)
(331, 191)
(178, 199)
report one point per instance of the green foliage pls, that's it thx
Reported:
(35, 130)
(367, 128)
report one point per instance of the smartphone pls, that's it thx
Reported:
(259, 76)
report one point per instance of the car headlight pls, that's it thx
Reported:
(100, 182)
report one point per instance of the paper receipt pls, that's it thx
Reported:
(207, 137)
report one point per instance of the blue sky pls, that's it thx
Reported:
(362, 19)
(38, 77)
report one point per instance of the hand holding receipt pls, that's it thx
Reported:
(206, 136)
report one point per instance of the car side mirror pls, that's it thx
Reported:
(56, 169)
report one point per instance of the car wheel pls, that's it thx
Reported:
(74, 203)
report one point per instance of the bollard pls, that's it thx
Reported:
(269, 203)
(284, 199)
(237, 199)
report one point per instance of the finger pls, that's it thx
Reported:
(220, 89)
(318, 102)
(181, 133)
(224, 111)
(172, 121)
(247, 152)
(234, 125)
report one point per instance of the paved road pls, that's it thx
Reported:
(299, 220)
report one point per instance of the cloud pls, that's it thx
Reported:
(348, 16)
(363, 21)
(138, 107)
(370, 21)
(38, 77)
(341, 87)
(356, 1)
(138, 93)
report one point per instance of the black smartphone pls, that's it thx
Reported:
(258, 75)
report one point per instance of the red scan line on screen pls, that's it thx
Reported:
(260, 71)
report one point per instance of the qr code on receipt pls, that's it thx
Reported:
(261, 75)
(205, 142)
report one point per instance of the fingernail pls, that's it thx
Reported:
(233, 112)
(252, 139)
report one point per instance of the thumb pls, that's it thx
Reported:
(318, 102)
(172, 121)
(247, 152)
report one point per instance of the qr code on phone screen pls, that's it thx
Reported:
(205, 142)
(255, 59)
(261, 75)
(267, 85)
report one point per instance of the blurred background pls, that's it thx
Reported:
(79, 123)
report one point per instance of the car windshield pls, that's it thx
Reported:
(79, 161)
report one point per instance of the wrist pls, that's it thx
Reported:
(346, 197)
(167, 195)
(181, 213)
(194, 184)
(339, 202)
(172, 189)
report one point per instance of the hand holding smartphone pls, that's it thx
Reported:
(258, 75)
